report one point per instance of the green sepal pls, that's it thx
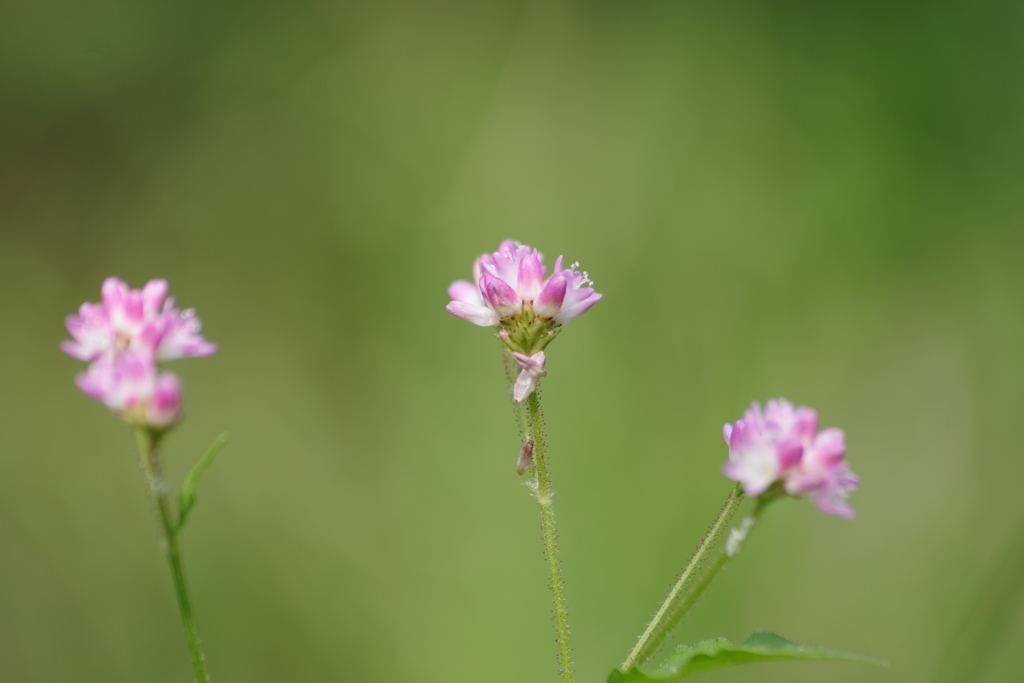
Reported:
(188, 489)
(526, 333)
(716, 654)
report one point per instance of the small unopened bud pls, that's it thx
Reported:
(532, 371)
(525, 457)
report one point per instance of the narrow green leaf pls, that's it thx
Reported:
(715, 654)
(188, 490)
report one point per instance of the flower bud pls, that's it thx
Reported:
(525, 457)
(532, 370)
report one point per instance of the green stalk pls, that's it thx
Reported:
(671, 610)
(170, 529)
(691, 584)
(511, 370)
(542, 489)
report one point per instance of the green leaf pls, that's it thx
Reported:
(715, 654)
(188, 490)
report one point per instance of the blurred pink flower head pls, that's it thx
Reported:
(124, 338)
(133, 389)
(509, 290)
(134, 320)
(782, 444)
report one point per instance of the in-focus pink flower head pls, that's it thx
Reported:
(510, 284)
(132, 388)
(125, 337)
(134, 320)
(781, 446)
(511, 290)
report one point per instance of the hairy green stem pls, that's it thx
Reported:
(688, 587)
(169, 527)
(542, 489)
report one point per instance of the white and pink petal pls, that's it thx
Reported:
(478, 315)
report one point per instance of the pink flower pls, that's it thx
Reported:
(532, 370)
(782, 445)
(180, 336)
(131, 388)
(92, 332)
(509, 284)
(134, 320)
(124, 338)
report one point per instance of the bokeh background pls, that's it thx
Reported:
(814, 200)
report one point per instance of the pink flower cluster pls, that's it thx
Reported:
(509, 290)
(782, 444)
(511, 279)
(124, 338)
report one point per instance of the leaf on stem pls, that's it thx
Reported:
(188, 490)
(715, 654)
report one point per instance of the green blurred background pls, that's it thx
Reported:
(814, 200)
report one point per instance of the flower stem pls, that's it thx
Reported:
(170, 529)
(542, 489)
(510, 375)
(688, 587)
